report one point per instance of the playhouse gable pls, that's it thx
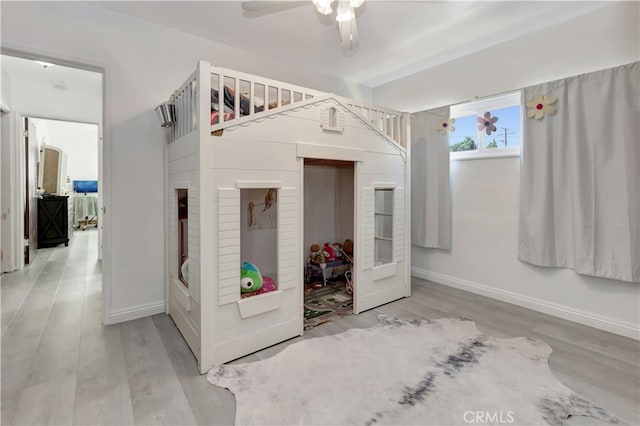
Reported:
(320, 121)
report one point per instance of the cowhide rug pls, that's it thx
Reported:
(427, 372)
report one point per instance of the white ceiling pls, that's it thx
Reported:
(397, 38)
(36, 74)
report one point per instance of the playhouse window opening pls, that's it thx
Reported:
(258, 241)
(183, 235)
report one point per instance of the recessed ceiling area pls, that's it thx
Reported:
(396, 38)
(56, 76)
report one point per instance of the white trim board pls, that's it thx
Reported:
(622, 328)
(135, 312)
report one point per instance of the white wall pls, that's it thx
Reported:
(144, 64)
(5, 91)
(319, 206)
(345, 209)
(328, 205)
(79, 141)
(485, 193)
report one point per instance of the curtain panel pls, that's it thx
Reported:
(580, 175)
(430, 187)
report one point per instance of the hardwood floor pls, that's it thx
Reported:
(61, 366)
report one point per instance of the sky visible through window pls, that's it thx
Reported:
(467, 126)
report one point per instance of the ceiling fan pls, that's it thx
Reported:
(344, 14)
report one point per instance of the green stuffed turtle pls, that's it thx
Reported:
(250, 278)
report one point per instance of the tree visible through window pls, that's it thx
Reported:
(463, 138)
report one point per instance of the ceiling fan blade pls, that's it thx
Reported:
(348, 34)
(254, 9)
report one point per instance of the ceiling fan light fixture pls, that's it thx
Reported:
(344, 12)
(45, 64)
(323, 6)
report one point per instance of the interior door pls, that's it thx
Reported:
(32, 152)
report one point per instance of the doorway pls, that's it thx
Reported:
(329, 223)
(68, 166)
(41, 95)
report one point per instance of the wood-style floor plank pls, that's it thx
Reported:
(102, 387)
(47, 403)
(56, 357)
(210, 405)
(16, 286)
(23, 335)
(156, 393)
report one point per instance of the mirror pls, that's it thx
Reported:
(50, 170)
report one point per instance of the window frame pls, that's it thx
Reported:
(377, 261)
(477, 108)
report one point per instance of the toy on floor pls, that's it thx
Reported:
(184, 272)
(329, 252)
(317, 257)
(347, 247)
(250, 278)
(349, 284)
(337, 247)
(347, 252)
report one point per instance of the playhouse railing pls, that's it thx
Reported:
(238, 95)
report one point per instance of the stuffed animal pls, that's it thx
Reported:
(315, 253)
(329, 252)
(337, 247)
(268, 285)
(348, 247)
(184, 271)
(250, 278)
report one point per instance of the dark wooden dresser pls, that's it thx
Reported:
(53, 220)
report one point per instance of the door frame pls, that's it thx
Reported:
(15, 154)
(100, 166)
(104, 147)
(30, 209)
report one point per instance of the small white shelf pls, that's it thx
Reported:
(384, 238)
(256, 305)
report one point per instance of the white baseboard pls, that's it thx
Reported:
(622, 328)
(135, 312)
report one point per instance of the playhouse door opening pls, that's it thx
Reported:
(329, 221)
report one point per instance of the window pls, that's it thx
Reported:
(486, 128)
(383, 239)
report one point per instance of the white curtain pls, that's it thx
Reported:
(430, 193)
(580, 176)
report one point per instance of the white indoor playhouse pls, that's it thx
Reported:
(259, 174)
